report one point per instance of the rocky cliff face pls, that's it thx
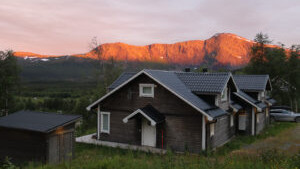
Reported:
(224, 48)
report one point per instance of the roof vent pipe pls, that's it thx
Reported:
(187, 69)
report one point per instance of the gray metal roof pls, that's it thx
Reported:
(196, 82)
(204, 82)
(252, 82)
(236, 105)
(171, 80)
(36, 121)
(121, 79)
(243, 95)
(216, 112)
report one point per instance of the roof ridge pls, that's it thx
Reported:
(42, 112)
(205, 73)
(250, 75)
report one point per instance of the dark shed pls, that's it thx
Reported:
(37, 136)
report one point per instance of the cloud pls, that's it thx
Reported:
(67, 26)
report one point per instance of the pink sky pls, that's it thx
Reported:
(67, 26)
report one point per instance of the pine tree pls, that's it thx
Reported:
(9, 80)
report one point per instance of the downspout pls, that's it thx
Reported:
(203, 133)
(98, 122)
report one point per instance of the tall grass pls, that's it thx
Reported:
(99, 157)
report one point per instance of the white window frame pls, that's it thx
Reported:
(231, 120)
(146, 94)
(108, 127)
(212, 129)
(225, 93)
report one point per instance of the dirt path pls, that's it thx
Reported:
(288, 142)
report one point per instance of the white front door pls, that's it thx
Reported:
(148, 133)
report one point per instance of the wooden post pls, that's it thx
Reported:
(203, 133)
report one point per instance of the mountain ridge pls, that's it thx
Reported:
(222, 48)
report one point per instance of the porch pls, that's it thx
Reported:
(88, 139)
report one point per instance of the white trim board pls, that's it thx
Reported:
(203, 133)
(136, 75)
(125, 120)
(142, 85)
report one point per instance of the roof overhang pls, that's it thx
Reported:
(270, 101)
(245, 99)
(135, 76)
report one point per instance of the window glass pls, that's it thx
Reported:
(285, 112)
(105, 122)
(147, 90)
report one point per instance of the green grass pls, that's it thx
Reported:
(240, 141)
(99, 157)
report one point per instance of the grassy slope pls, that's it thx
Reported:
(90, 156)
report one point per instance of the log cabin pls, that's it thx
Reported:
(253, 97)
(183, 111)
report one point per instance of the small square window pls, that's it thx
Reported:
(105, 122)
(146, 90)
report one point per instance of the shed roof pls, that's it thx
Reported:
(37, 121)
(253, 82)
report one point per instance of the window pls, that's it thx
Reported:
(231, 120)
(216, 101)
(257, 118)
(261, 95)
(146, 90)
(224, 94)
(212, 129)
(105, 122)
